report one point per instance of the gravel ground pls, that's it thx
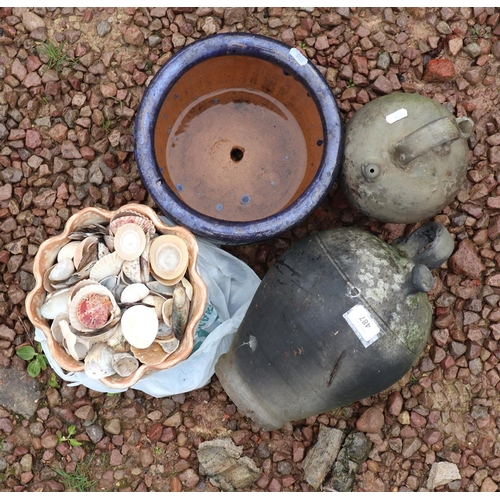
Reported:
(66, 121)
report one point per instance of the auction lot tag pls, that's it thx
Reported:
(298, 56)
(363, 324)
(396, 116)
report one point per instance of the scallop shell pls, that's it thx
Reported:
(130, 217)
(109, 265)
(92, 308)
(134, 293)
(168, 258)
(98, 362)
(130, 241)
(139, 325)
(124, 363)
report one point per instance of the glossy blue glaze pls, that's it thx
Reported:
(228, 232)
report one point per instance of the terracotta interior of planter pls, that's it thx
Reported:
(238, 139)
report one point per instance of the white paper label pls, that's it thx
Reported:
(298, 56)
(397, 115)
(363, 324)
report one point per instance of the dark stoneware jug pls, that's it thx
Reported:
(339, 317)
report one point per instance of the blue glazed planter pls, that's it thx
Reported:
(238, 138)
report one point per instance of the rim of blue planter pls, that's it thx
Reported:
(285, 57)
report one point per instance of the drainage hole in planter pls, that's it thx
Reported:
(236, 154)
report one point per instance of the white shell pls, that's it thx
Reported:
(80, 296)
(86, 246)
(109, 265)
(134, 293)
(130, 241)
(62, 270)
(98, 362)
(55, 303)
(140, 325)
(131, 269)
(166, 312)
(170, 345)
(55, 327)
(168, 258)
(67, 251)
(156, 301)
(188, 287)
(124, 364)
(117, 341)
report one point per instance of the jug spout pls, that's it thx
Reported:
(430, 245)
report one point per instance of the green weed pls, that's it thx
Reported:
(57, 55)
(80, 480)
(37, 360)
(69, 438)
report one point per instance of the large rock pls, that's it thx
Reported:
(442, 473)
(19, 392)
(352, 455)
(320, 458)
(221, 460)
(466, 261)
(439, 70)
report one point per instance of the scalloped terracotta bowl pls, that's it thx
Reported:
(46, 256)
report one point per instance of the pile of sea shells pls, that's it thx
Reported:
(118, 295)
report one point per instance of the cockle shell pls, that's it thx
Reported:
(98, 362)
(92, 308)
(109, 265)
(168, 258)
(124, 363)
(130, 241)
(156, 301)
(139, 325)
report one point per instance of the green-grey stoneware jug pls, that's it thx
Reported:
(405, 158)
(339, 317)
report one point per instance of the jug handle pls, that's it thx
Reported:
(431, 245)
(432, 135)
